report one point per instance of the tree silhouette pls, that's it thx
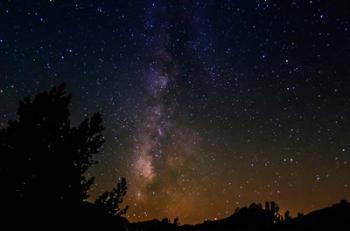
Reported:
(272, 210)
(43, 159)
(176, 221)
(109, 202)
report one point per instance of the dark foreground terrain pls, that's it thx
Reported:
(254, 217)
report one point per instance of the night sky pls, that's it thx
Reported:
(208, 105)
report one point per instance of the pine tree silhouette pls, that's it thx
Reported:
(43, 159)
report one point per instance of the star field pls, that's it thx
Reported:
(208, 105)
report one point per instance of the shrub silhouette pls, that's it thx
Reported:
(43, 159)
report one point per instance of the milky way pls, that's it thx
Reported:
(155, 123)
(160, 150)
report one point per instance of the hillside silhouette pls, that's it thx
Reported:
(256, 217)
(43, 165)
